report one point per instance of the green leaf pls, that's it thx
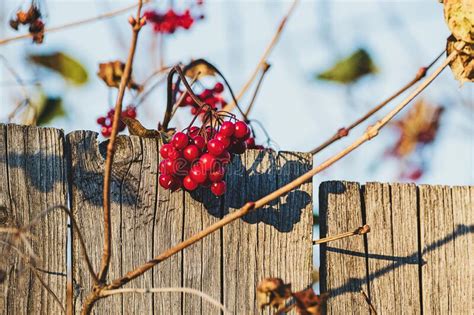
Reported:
(350, 69)
(49, 108)
(63, 64)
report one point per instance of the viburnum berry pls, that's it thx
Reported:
(189, 183)
(241, 130)
(227, 128)
(207, 161)
(165, 149)
(215, 147)
(198, 174)
(216, 174)
(200, 142)
(218, 188)
(191, 152)
(180, 140)
(222, 138)
(219, 87)
(237, 146)
(166, 181)
(106, 121)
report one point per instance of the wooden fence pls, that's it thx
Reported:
(418, 257)
(42, 167)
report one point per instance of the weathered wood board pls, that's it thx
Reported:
(418, 257)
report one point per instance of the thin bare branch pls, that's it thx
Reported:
(230, 106)
(344, 131)
(75, 23)
(201, 294)
(370, 133)
(137, 24)
(265, 68)
(359, 231)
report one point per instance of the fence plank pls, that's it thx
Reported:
(33, 166)
(463, 278)
(343, 262)
(391, 210)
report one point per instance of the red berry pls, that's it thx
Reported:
(224, 158)
(216, 174)
(198, 174)
(219, 87)
(241, 130)
(215, 147)
(101, 121)
(169, 167)
(218, 188)
(227, 128)
(174, 154)
(105, 131)
(166, 181)
(180, 140)
(165, 149)
(191, 152)
(222, 138)
(193, 131)
(250, 142)
(207, 161)
(189, 183)
(199, 141)
(162, 167)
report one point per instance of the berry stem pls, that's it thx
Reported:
(344, 131)
(370, 133)
(265, 68)
(75, 23)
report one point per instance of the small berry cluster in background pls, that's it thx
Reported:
(31, 17)
(198, 156)
(106, 121)
(211, 97)
(170, 21)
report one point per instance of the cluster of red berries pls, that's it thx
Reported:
(169, 22)
(211, 97)
(198, 156)
(106, 121)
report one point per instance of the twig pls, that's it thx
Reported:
(35, 272)
(183, 95)
(136, 23)
(371, 132)
(75, 23)
(366, 298)
(359, 231)
(265, 68)
(230, 106)
(344, 131)
(203, 295)
(75, 227)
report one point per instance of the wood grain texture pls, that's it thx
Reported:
(343, 262)
(393, 260)
(258, 246)
(33, 172)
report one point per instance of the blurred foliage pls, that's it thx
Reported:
(350, 69)
(68, 67)
(49, 108)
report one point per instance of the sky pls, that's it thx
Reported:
(296, 110)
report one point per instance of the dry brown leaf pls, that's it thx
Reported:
(198, 69)
(309, 303)
(419, 126)
(135, 128)
(111, 73)
(463, 65)
(459, 15)
(273, 292)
